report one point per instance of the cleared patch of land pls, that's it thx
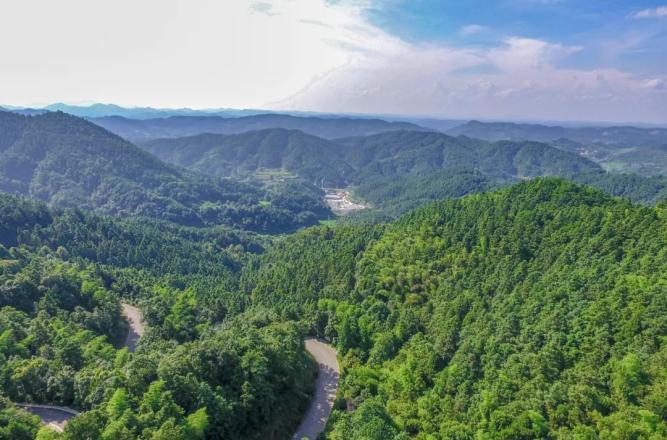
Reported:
(340, 202)
(136, 326)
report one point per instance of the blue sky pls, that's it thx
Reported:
(614, 51)
(608, 31)
(561, 60)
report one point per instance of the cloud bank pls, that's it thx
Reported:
(652, 13)
(517, 78)
(297, 54)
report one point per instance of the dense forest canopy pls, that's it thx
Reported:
(210, 366)
(313, 158)
(533, 312)
(522, 311)
(357, 159)
(404, 152)
(276, 172)
(392, 197)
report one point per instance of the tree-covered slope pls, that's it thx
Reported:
(405, 152)
(645, 161)
(617, 149)
(534, 312)
(60, 325)
(394, 172)
(395, 196)
(398, 196)
(639, 189)
(613, 136)
(310, 157)
(68, 161)
(160, 247)
(179, 126)
(207, 368)
(358, 159)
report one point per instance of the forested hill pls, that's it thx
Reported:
(179, 126)
(617, 149)
(404, 152)
(532, 312)
(397, 171)
(356, 160)
(310, 157)
(159, 247)
(620, 135)
(205, 369)
(393, 171)
(68, 161)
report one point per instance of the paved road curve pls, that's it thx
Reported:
(57, 416)
(326, 388)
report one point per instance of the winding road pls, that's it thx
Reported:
(311, 426)
(326, 388)
(57, 417)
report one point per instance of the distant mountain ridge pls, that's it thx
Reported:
(275, 172)
(180, 126)
(407, 152)
(102, 110)
(619, 149)
(613, 136)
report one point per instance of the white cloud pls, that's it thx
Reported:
(517, 52)
(294, 54)
(209, 53)
(472, 29)
(519, 78)
(655, 84)
(660, 11)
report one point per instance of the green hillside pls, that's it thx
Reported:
(405, 152)
(647, 190)
(618, 149)
(532, 312)
(207, 368)
(536, 311)
(70, 162)
(312, 158)
(614, 136)
(392, 171)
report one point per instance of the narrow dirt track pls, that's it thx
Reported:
(326, 388)
(136, 329)
(57, 417)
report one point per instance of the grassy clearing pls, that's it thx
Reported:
(328, 222)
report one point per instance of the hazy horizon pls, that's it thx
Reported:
(386, 116)
(510, 60)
